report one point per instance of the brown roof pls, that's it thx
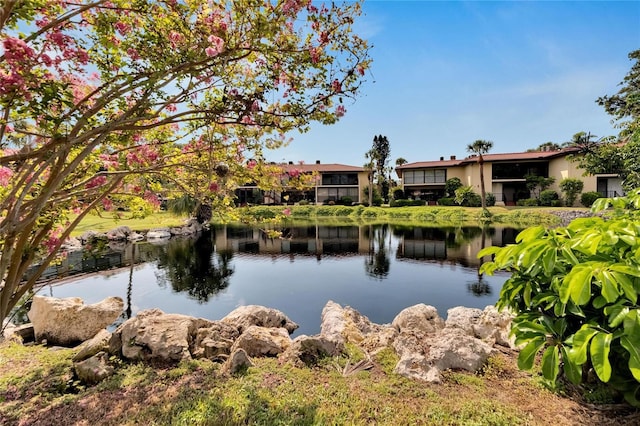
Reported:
(513, 156)
(322, 168)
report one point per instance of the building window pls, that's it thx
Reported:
(425, 176)
(336, 194)
(339, 179)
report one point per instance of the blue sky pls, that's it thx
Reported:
(445, 73)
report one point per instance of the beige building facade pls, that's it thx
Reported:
(504, 175)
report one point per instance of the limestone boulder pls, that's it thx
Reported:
(489, 324)
(237, 362)
(261, 316)
(158, 234)
(95, 369)
(453, 349)
(18, 333)
(494, 327)
(91, 347)
(347, 325)
(119, 234)
(154, 335)
(463, 318)
(214, 342)
(69, 321)
(263, 341)
(308, 350)
(418, 318)
(135, 236)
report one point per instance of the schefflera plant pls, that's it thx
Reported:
(574, 291)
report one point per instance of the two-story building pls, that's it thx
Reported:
(333, 183)
(504, 175)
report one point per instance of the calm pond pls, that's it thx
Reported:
(377, 269)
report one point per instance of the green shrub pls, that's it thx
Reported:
(574, 292)
(303, 202)
(547, 197)
(588, 198)
(446, 201)
(490, 199)
(407, 203)
(452, 185)
(571, 187)
(527, 202)
(347, 201)
(398, 194)
(467, 198)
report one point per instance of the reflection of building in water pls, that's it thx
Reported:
(459, 245)
(304, 240)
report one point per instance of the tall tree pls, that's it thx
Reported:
(624, 106)
(400, 161)
(380, 153)
(481, 147)
(102, 100)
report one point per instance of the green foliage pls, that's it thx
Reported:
(347, 201)
(398, 194)
(537, 184)
(446, 201)
(527, 202)
(588, 198)
(574, 291)
(406, 203)
(571, 187)
(490, 199)
(451, 185)
(549, 198)
(467, 198)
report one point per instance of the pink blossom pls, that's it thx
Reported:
(213, 187)
(16, 49)
(336, 86)
(122, 27)
(217, 45)
(251, 164)
(340, 111)
(46, 59)
(360, 69)
(286, 212)
(5, 175)
(294, 173)
(171, 108)
(107, 204)
(152, 199)
(247, 120)
(96, 182)
(175, 38)
(133, 53)
(255, 106)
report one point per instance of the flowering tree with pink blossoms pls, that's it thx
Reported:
(104, 100)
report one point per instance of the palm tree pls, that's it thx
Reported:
(480, 147)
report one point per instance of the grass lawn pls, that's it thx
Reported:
(93, 222)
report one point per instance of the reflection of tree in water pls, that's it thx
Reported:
(195, 267)
(377, 263)
(480, 287)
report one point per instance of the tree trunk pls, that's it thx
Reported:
(482, 190)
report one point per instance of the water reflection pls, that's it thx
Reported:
(377, 269)
(195, 267)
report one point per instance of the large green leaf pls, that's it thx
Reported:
(527, 355)
(609, 285)
(571, 370)
(578, 283)
(634, 355)
(580, 344)
(600, 347)
(550, 364)
(530, 234)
